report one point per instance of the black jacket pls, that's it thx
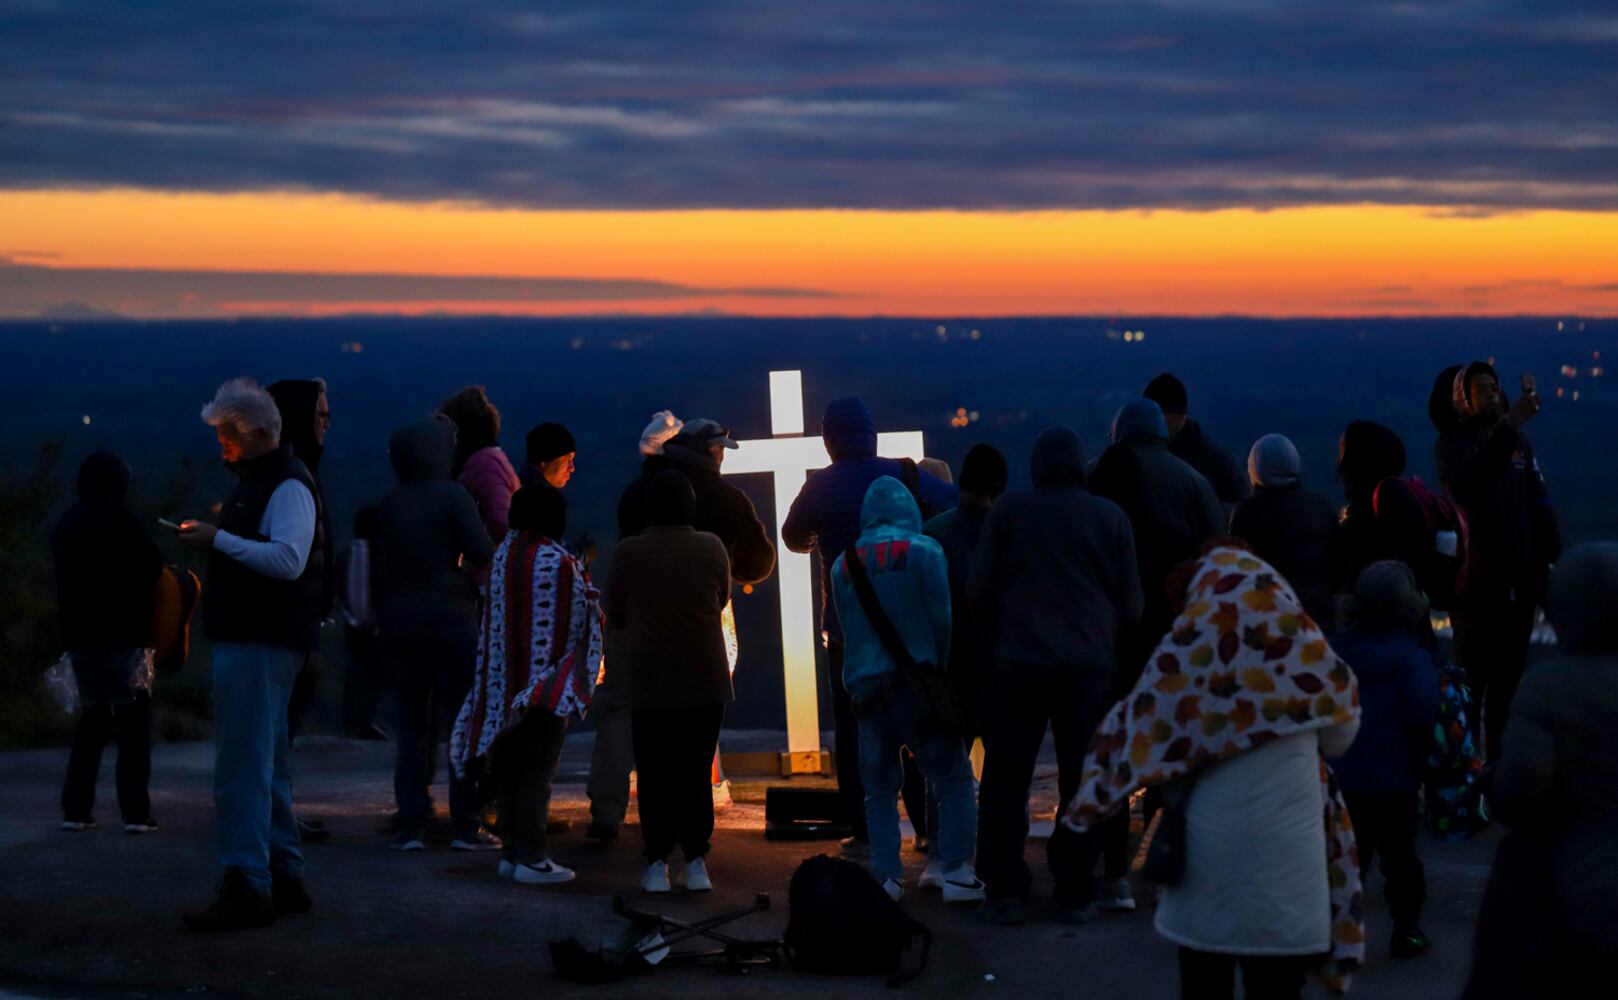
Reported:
(722, 509)
(1055, 578)
(1490, 471)
(1296, 531)
(428, 531)
(106, 564)
(1223, 471)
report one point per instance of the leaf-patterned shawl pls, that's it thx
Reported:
(540, 648)
(1243, 666)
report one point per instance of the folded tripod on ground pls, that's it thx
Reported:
(648, 942)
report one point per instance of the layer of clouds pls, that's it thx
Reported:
(1484, 105)
(28, 289)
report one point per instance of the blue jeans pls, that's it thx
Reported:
(946, 767)
(252, 779)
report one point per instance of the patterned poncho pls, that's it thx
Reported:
(541, 644)
(1244, 665)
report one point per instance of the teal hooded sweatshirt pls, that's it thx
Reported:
(911, 578)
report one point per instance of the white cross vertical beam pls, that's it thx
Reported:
(789, 459)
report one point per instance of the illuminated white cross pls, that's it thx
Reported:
(790, 457)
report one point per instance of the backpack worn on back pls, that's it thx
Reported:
(1443, 573)
(841, 922)
(174, 601)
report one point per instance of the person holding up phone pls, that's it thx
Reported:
(1487, 466)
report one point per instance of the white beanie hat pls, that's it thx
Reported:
(664, 425)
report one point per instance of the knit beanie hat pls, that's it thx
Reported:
(984, 471)
(1386, 594)
(1274, 462)
(670, 501)
(664, 426)
(548, 441)
(1167, 392)
(539, 509)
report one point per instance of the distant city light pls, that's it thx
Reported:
(976, 335)
(962, 417)
(576, 343)
(352, 347)
(1575, 395)
(1559, 326)
(1570, 371)
(86, 419)
(1595, 372)
(1560, 392)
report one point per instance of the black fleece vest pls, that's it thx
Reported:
(240, 605)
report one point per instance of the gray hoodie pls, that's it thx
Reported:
(1054, 577)
(429, 532)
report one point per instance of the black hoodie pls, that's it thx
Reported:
(297, 399)
(106, 564)
(1055, 576)
(428, 530)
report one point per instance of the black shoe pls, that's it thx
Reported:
(602, 832)
(1409, 941)
(312, 831)
(290, 896)
(237, 906)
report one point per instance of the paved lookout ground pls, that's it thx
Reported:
(97, 913)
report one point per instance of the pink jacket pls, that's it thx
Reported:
(491, 480)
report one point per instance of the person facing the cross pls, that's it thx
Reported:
(825, 519)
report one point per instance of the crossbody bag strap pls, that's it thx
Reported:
(855, 566)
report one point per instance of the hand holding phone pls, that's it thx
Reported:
(1527, 405)
(1529, 386)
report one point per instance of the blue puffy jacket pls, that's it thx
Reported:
(910, 576)
(1399, 704)
(825, 517)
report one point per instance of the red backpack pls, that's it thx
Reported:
(1442, 576)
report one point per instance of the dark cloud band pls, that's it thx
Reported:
(1477, 104)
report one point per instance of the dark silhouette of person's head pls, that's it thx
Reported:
(984, 472)
(305, 417)
(539, 509)
(1583, 595)
(1367, 454)
(670, 501)
(1058, 458)
(1168, 392)
(104, 477)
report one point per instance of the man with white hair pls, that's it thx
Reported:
(262, 610)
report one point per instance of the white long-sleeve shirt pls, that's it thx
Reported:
(288, 523)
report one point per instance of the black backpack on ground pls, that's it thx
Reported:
(841, 922)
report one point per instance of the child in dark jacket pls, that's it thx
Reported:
(1380, 775)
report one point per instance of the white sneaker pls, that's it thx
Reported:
(933, 877)
(546, 872)
(507, 869)
(1116, 897)
(78, 825)
(656, 878)
(894, 888)
(696, 876)
(721, 796)
(963, 886)
(143, 826)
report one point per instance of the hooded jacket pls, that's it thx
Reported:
(1172, 509)
(1557, 773)
(106, 564)
(297, 400)
(1055, 577)
(958, 532)
(825, 515)
(1398, 680)
(1488, 468)
(490, 480)
(1213, 460)
(428, 530)
(910, 577)
(722, 509)
(1291, 528)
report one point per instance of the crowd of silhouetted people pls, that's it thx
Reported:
(1241, 668)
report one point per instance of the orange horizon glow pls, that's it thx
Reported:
(1307, 261)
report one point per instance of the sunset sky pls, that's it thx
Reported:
(772, 158)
